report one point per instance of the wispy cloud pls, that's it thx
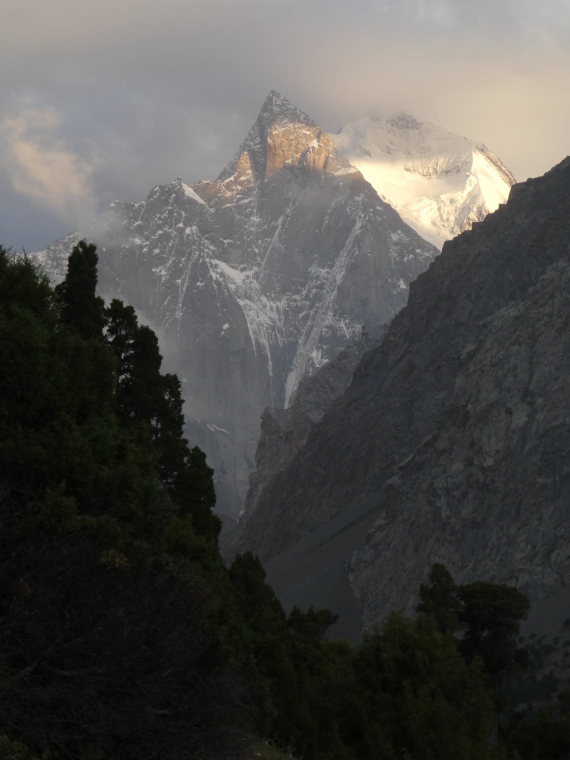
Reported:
(43, 167)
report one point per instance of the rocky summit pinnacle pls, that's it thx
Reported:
(277, 107)
(255, 280)
(282, 135)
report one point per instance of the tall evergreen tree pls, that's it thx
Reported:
(440, 600)
(486, 617)
(150, 404)
(81, 307)
(492, 616)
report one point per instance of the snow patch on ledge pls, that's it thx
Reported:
(190, 193)
(346, 170)
(215, 429)
(237, 275)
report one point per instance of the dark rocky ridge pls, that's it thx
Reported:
(453, 442)
(284, 432)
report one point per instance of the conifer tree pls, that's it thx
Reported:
(150, 404)
(439, 599)
(492, 615)
(81, 307)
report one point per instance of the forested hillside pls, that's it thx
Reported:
(123, 634)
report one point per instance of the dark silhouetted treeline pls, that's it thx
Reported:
(123, 634)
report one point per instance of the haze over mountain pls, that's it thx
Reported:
(257, 278)
(451, 444)
(439, 182)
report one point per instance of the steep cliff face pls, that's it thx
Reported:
(453, 442)
(256, 279)
(284, 432)
(439, 182)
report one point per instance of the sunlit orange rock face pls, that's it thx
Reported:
(285, 145)
(290, 144)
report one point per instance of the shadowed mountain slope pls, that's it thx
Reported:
(453, 442)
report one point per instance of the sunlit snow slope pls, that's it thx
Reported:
(439, 182)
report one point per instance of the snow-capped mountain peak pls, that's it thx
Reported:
(439, 182)
(256, 279)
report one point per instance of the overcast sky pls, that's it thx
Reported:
(104, 99)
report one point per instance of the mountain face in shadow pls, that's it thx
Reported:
(452, 443)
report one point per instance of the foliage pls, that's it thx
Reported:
(491, 616)
(115, 654)
(110, 642)
(80, 307)
(487, 617)
(268, 751)
(543, 734)
(150, 407)
(440, 600)
(122, 633)
(422, 695)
